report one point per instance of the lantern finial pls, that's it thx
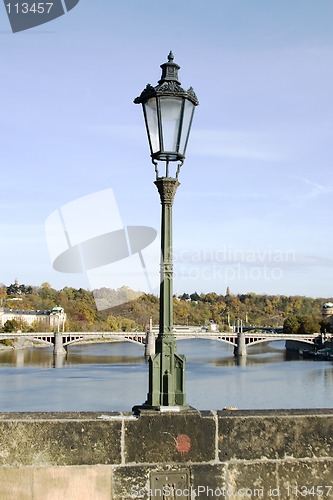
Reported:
(170, 70)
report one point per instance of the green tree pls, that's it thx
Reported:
(325, 326)
(309, 324)
(11, 325)
(291, 325)
(195, 297)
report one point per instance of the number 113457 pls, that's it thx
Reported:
(29, 8)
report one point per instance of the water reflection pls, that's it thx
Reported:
(59, 360)
(76, 355)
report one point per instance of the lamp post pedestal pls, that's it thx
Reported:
(166, 377)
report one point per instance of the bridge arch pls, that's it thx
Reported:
(48, 340)
(138, 340)
(275, 338)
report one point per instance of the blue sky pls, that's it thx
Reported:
(254, 208)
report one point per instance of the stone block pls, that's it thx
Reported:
(208, 481)
(16, 483)
(310, 479)
(65, 439)
(252, 480)
(170, 437)
(131, 482)
(314, 436)
(275, 434)
(256, 437)
(72, 483)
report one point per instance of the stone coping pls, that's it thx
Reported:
(104, 415)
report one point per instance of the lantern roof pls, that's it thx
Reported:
(168, 85)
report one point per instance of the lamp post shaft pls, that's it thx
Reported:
(167, 189)
(166, 367)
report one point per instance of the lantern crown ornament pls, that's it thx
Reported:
(168, 112)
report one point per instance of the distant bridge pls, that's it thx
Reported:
(60, 340)
(68, 338)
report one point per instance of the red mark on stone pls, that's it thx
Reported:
(183, 443)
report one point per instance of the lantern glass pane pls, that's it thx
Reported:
(186, 127)
(170, 116)
(152, 124)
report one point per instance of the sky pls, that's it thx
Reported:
(254, 208)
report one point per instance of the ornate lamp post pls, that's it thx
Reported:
(168, 112)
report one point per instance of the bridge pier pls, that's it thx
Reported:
(150, 344)
(240, 348)
(58, 345)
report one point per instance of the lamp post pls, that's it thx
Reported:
(168, 112)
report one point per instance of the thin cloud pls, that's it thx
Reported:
(316, 189)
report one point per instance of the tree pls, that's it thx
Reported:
(16, 289)
(112, 323)
(11, 325)
(309, 324)
(127, 325)
(325, 326)
(291, 325)
(181, 311)
(195, 297)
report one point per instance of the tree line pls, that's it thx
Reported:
(298, 314)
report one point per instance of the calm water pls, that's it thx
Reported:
(113, 377)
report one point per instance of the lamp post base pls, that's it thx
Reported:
(166, 390)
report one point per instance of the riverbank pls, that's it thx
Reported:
(20, 343)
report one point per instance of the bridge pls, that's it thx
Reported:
(240, 341)
(61, 340)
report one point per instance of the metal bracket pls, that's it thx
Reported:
(170, 485)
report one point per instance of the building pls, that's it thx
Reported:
(54, 318)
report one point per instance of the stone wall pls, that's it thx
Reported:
(190, 455)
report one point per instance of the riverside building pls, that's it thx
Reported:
(54, 318)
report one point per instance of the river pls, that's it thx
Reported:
(113, 377)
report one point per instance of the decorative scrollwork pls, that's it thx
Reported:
(167, 86)
(146, 94)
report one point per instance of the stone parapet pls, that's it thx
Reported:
(201, 455)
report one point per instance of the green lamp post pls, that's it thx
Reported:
(168, 112)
